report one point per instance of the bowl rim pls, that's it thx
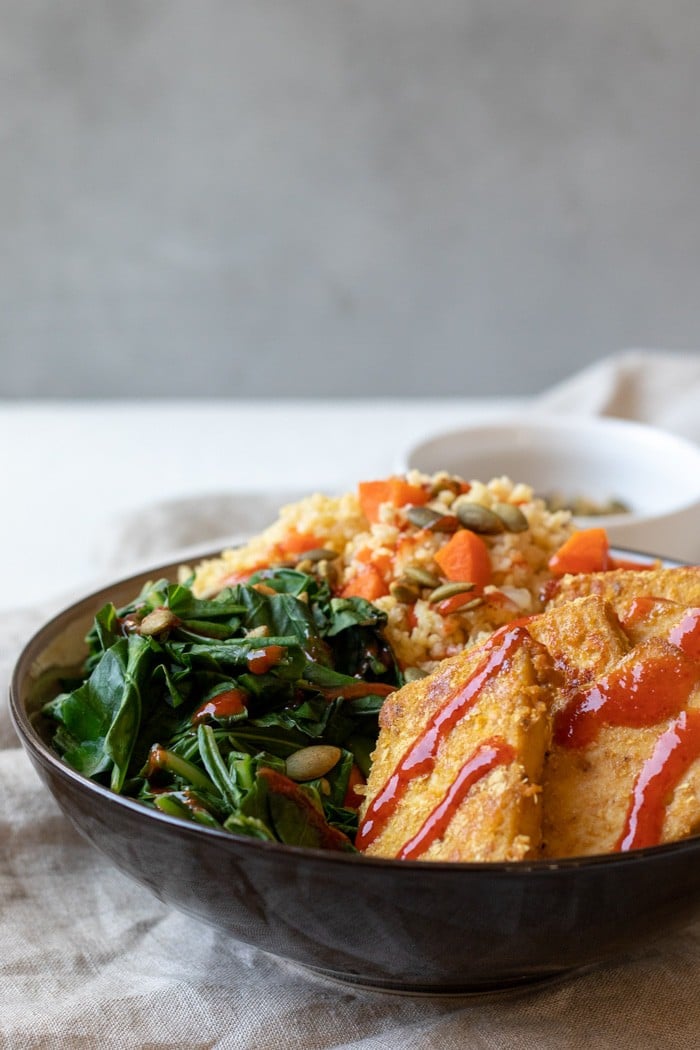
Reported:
(549, 423)
(40, 751)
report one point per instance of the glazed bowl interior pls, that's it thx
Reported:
(655, 474)
(406, 926)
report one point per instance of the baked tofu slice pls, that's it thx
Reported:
(582, 806)
(622, 586)
(584, 639)
(457, 770)
(623, 769)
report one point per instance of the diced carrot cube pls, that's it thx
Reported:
(368, 584)
(395, 490)
(465, 557)
(584, 551)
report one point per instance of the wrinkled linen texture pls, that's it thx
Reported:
(89, 958)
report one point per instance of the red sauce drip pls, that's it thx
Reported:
(223, 705)
(419, 759)
(261, 660)
(157, 759)
(355, 689)
(674, 752)
(686, 634)
(642, 608)
(487, 756)
(637, 693)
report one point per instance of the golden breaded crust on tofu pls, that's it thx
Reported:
(561, 790)
(583, 638)
(588, 790)
(585, 791)
(620, 586)
(499, 819)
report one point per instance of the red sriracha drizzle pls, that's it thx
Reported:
(223, 705)
(490, 754)
(261, 660)
(673, 754)
(686, 634)
(420, 757)
(643, 693)
(637, 693)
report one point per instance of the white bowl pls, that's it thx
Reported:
(653, 472)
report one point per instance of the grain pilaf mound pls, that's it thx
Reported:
(447, 560)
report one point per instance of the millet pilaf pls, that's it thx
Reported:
(401, 543)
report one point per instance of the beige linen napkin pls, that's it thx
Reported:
(654, 387)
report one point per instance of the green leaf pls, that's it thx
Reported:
(100, 718)
(353, 612)
(122, 733)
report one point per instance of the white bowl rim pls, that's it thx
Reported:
(543, 425)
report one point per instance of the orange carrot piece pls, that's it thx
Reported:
(584, 551)
(465, 556)
(395, 490)
(298, 542)
(383, 562)
(368, 584)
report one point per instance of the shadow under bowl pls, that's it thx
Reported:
(406, 926)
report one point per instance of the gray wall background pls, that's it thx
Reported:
(321, 197)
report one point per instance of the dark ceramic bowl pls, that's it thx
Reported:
(408, 926)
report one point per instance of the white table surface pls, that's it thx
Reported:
(70, 469)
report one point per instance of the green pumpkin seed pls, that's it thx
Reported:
(417, 574)
(427, 518)
(311, 762)
(320, 554)
(444, 482)
(404, 592)
(511, 516)
(157, 621)
(477, 518)
(414, 674)
(328, 571)
(449, 590)
(468, 606)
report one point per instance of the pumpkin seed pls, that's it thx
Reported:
(157, 621)
(427, 518)
(328, 571)
(311, 762)
(444, 482)
(477, 518)
(449, 590)
(473, 604)
(264, 588)
(511, 516)
(262, 631)
(320, 554)
(404, 592)
(417, 574)
(414, 674)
